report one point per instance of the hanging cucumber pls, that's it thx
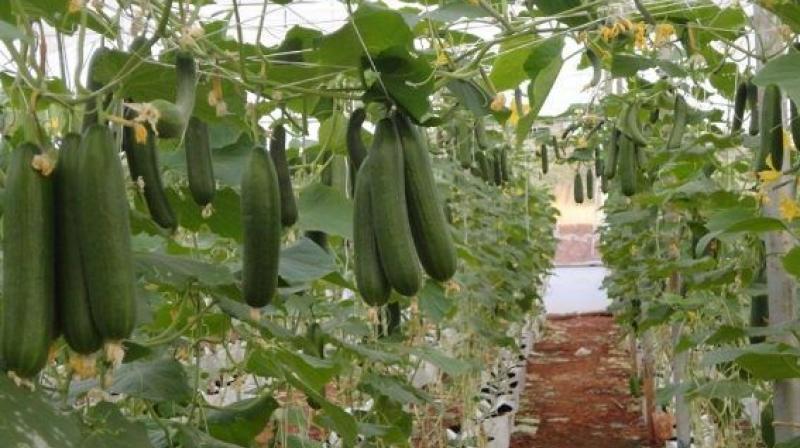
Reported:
(752, 103)
(174, 117)
(90, 115)
(505, 168)
(484, 166)
(545, 161)
(104, 235)
(425, 212)
(604, 184)
(143, 166)
(390, 212)
(630, 125)
(679, 123)
(28, 268)
(739, 106)
(794, 124)
(463, 145)
(759, 315)
(598, 161)
(481, 139)
(261, 229)
(72, 297)
(199, 165)
(557, 149)
(389, 324)
(610, 162)
(589, 184)
(627, 165)
(577, 188)
(277, 150)
(597, 69)
(371, 280)
(771, 130)
(497, 166)
(355, 145)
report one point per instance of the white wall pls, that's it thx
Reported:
(576, 290)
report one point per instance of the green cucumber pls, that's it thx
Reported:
(627, 165)
(610, 162)
(598, 161)
(261, 229)
(597, 69)
(679, 123)
(390, 211)
(186, 77)
(545, 162)
(72, 296)
(199, 165)
(794, 124)
(425, 212)
(505, 167)
(90, 115)
(355, 145)
(105, 236)
(759, 315)
(739, 105)
(577, 188)
(463, 145)
(277, 151)
(481, 139)
(631, 125)
(752, 103)
(143, 166)
(497, 166)
(771, 129)
(370, 278)
(589, 184)
(170, 122)
(484, 166)
(29, 271)
(604, 184)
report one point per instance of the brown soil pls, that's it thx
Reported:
(574, 400)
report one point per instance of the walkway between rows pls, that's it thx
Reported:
(577, 393)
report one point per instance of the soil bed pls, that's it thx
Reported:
(577, 392)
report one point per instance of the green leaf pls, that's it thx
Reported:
(407, 79)
(242, 421)
(305, 262)
(333, 133)
(789, 14)
(325, 209)
(561, 10)
(626, 65)
(191, 437)
(108, 428)
(791, 261)
(723, 389)
(782, 71)
(395, 388)
(508, 69)
(30, 420)
(449, 365)
(543, 66)
(434, 303)
(180, 271)
(225, 220)
(770, 361)
(471, 96)
(10, 32)
(373, 29)
(157, 380)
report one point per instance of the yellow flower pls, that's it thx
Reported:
(789, 208)
(639, 34)
(140, 133)
(664, 32)
(788, 141)
(74, 6)
(513, 119)
(442, 58)
(498, 103)
(608, 33)
(769, 175)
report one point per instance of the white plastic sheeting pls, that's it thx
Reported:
(576, 289)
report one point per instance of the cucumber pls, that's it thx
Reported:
(170, 119)
(631, 125)
(72, 296)
(186, 77)
(589, 184)
(277, 151)
(752, 103)
(199, 165)
(610, 162)
(261, 229)
(759, 315)
(568, 130)
(429, 227)
(739, 105)
(545, 162)
(355, 145)
(577, 188)
(28, 268)
(484, 166)
(794, 124)
(597, 69)
(104, 235)
(771, 129)
(390, 320)
(390, 212)
(557, 149)
(90, 115)
(463, 145)
(627, 165)
(505, 168)
(481, 139)
(497, 166)
(143, 165)
(598, 161)
(604, 184)
(370, 278)
(679, 123)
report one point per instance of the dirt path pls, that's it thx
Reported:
(576, 398)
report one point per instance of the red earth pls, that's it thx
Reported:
(577, 393)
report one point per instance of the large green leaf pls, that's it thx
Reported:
(305, 262)
(225, 219)
(181, 271)
(567, 11)
(242, 421)
(407, 80)
(543, 67)
(782, 71)
(434, 303)
(626, 65)
(471, 96)
(28, 419)
(325, 209)
(371, 30)
(108, 428)
(508, 69)
(156, 380)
